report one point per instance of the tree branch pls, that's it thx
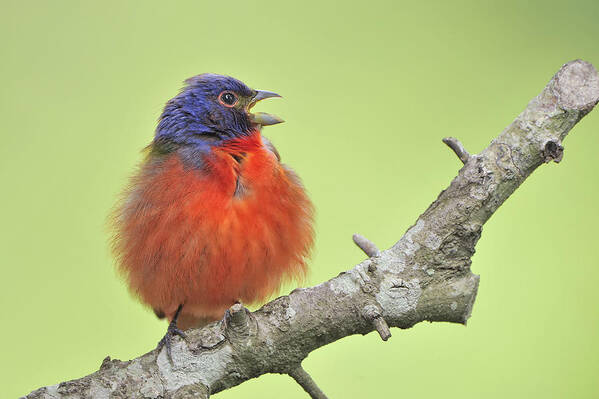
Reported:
(424, 276)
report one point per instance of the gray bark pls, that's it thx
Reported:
(424, 276)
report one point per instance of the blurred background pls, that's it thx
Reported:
(370, 90)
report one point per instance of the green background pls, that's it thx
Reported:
(370, 89)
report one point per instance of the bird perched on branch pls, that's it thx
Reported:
(212, 216)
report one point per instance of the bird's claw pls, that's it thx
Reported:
(171, 331)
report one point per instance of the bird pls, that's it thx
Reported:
(211, 217)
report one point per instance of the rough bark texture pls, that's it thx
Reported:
(424, 276)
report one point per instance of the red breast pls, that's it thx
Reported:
(234, 229)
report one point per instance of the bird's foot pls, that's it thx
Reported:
(171, 332)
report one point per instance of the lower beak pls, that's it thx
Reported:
(262, 118)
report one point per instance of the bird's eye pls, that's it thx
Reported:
(227, 98)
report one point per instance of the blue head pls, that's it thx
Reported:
(210, 109)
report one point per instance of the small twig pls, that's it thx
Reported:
(237, 315)
(381, 326)
(237, 322)
(373, 314)
(305, 381)
(458, 148)
(369, 248)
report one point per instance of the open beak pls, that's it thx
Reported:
(262, 118)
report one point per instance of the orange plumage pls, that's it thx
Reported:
(207, 237)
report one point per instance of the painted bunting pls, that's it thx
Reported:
(212, 216)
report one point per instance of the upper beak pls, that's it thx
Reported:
(262, 118)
